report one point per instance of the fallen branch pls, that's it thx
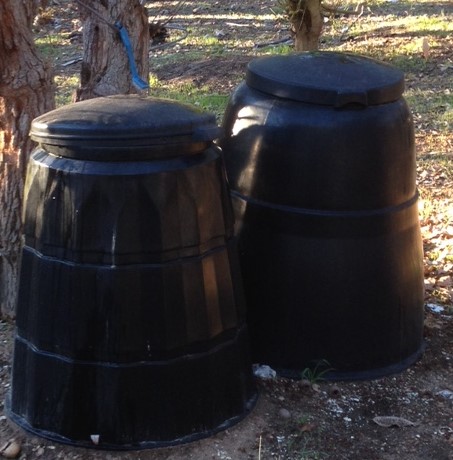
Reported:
(273, 43)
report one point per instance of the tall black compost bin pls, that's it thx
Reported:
(319, 152)
(130, 320)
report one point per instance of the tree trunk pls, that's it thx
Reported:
(306, 23)
(26, 91)
(105, 64)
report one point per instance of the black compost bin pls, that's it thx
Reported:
(130, 319)
(319, 152)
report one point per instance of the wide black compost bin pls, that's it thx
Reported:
(130, 320)
(319, 153)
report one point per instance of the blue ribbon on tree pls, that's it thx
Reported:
(118, 27)
(136, 80)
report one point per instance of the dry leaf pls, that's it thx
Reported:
(307, 427)
(390, 421)
(425, 48)
(11, 449)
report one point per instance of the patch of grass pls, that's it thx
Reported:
(66, 85)
(188, 93)
(278, 49)
(51, 45)
(435, 108)
(443, 162)
(301, 443)
(427, 25)
(301, 450)
(208, 43)
(403, 22)
(446, 117)
(407, 62)
(406, 7)
(179, 58)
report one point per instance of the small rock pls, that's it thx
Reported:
(263, 371)
(95, 439)
(11, 449)
(316, 387)
(447, 394)
(284, 413)
(435, 308)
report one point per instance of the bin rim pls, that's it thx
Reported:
(326, 78)
(124, 127)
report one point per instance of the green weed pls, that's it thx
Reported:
(317, 373)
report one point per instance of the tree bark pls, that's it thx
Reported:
(105, 65)
(306, 23)
(26, 91)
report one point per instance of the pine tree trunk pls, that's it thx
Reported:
(26, 91)
(105, 65)
(306, 23)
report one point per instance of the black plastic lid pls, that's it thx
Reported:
(124, 127)
(326, 78)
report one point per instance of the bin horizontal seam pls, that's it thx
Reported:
(364, 213)
(175, 261)
(142, 363)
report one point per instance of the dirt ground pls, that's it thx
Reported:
(300, 419)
